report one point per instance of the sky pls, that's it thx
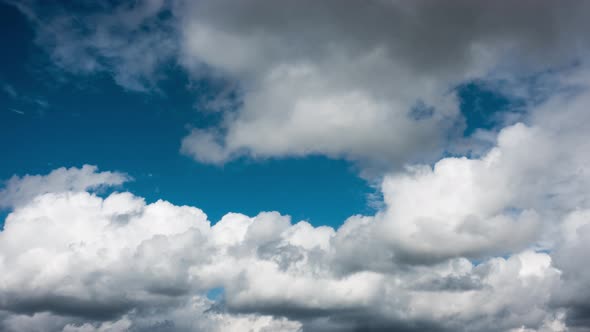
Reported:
(92, 120)
(253, 165)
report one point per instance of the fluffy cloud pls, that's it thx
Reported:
(77, 262)
(101, 259)
(508, 199)
(345, 78)
(487, 244)
(94, 266)
(493, 242)
(18, 190)
(370, 81)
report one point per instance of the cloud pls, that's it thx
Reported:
(488, 244)
(342, 78)
(476, 207)
(14, 110)
(338, 78)
(24, 100)
(127, 41)
(70, 259)
(491, 242)
(20, 190)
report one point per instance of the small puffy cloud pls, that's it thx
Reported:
(20, 190)
(204, 146)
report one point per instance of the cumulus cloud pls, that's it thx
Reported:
(487, 244)
(341, 78)
(19, 190)
(71, 264)
(336, 78)
(492, 205)
(490, 242)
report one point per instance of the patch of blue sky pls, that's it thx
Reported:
(215, 294)
(141, 135)
(484, 107)
(91, 120)
(88, 119)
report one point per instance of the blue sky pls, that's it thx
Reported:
(57, 119)
(91, 120)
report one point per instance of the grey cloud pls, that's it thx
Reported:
(451, 283)
(337, 78)
(90, 309)
(340, 78)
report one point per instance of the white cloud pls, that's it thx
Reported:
(70, 255)
(427, 260)
(20, 190)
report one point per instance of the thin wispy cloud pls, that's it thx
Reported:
(14, 110)
(9, 90)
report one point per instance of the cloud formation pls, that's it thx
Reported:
(342, 78)
(347, 79)
(487, 244)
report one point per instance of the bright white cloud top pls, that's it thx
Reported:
(496, 241)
